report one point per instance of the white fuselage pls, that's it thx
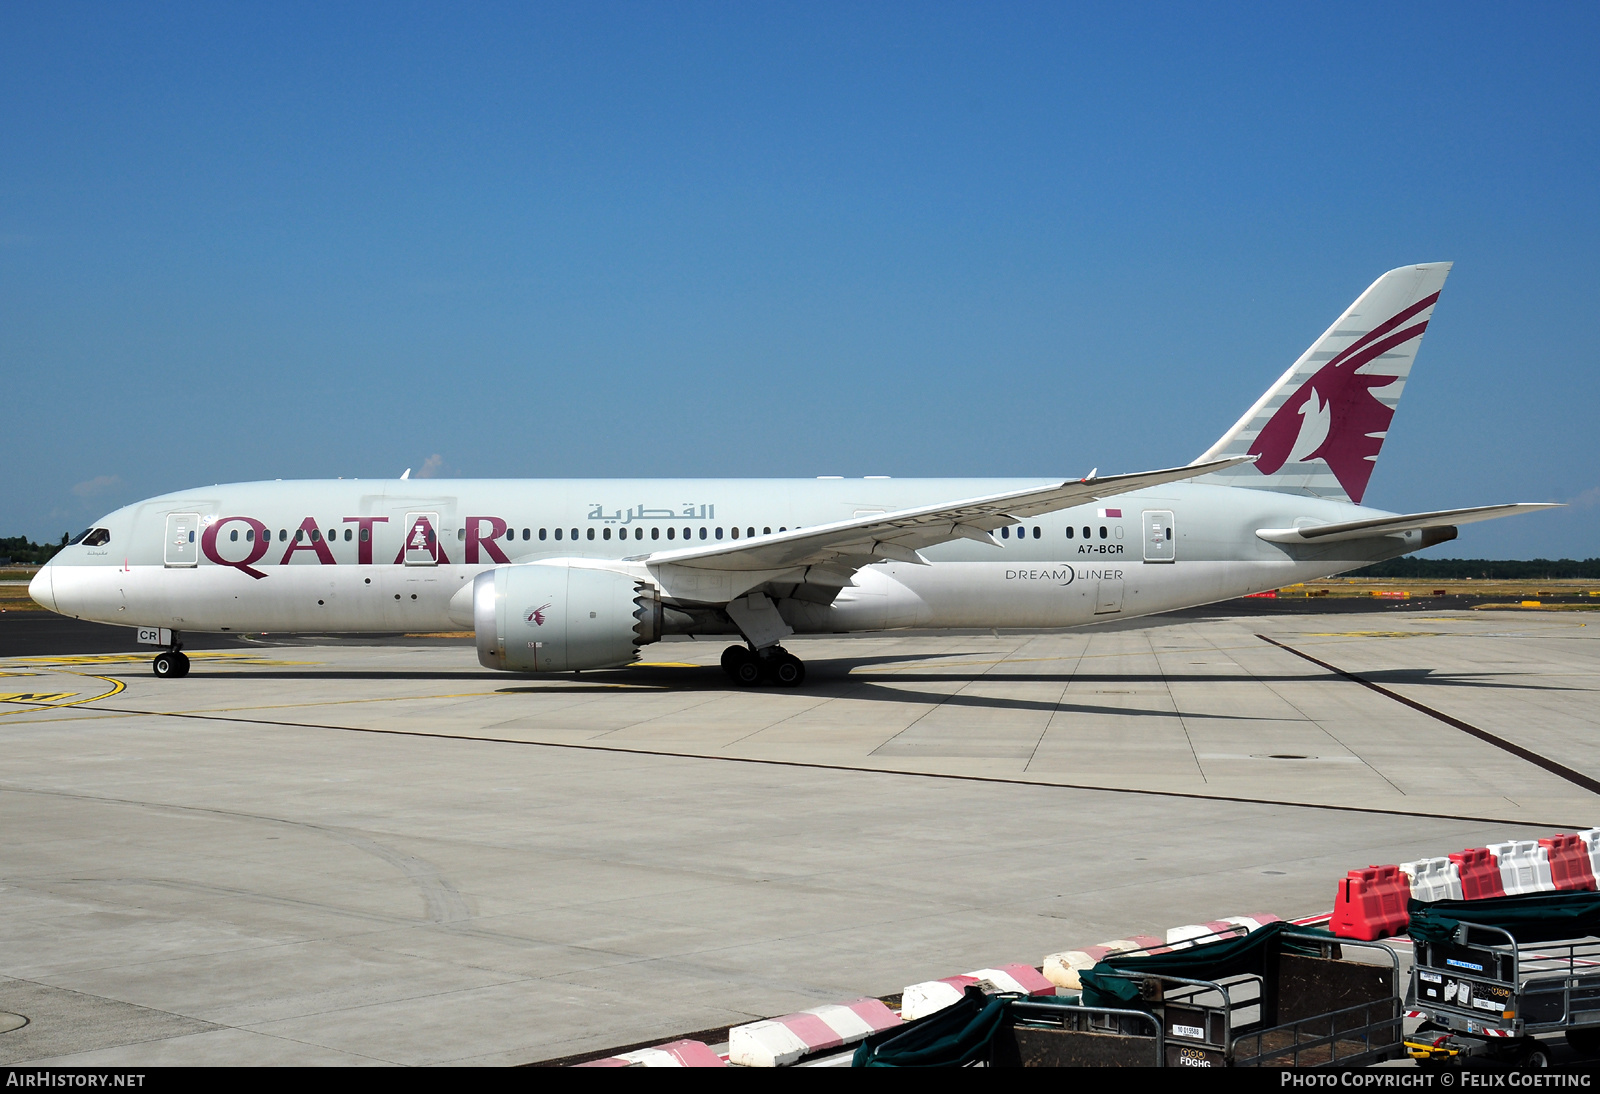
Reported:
(331, 556)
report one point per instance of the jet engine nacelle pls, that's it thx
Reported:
(557, 617)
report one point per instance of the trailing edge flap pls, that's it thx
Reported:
(1389, 526)
(850, 544)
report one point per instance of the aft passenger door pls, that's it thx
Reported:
(1160, 536)
(183, 529)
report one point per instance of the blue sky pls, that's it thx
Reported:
(278, 241)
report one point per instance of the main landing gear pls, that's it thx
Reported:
(170, 664)
(774, 665)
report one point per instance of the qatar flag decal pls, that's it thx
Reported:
(1108, 514)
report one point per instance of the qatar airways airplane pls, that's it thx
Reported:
(565, 575)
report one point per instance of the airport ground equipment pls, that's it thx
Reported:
(1275, 997)
(1492, 977)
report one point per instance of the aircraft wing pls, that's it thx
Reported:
(834, 551)
(1388, 526)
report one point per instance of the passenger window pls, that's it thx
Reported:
(719, 533)
(1069, 531)
(591, 532)
(1087, 532)
(655, 533)
(558, 533)
(299, 534)
(766, 531)
(702, 533)
(249, 535)
(607, 533)
(1102, 531)
(233, 536)
(541, 533)
(671, 532)
(191, 537)
(316, 535)
(511, 534)
(1005, 533)
(527, 534)
(347, 535)
(283, 534)
(366, 535)
(783, 529)
(749, 531)
(638, 533)
(461, 535)
(735, 533)
(575, 533)
(1037, 532)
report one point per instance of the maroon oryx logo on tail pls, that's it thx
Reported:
(1334, 416)
(536, 615)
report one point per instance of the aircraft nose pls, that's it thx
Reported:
(42, 587)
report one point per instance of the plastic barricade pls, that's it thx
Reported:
(675, 1054)
(778, 1042)
(1590, 838)
(1479, 873)
(1181, 938)
(1062, 969)
(1023, 978)
(1569, 863)
(1371, 904)
(921, 1000)
(1433, 879)
(1523, 867)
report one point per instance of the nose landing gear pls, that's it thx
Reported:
(774, 665)
(170, 664)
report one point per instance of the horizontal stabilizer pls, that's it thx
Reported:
(1389, 526)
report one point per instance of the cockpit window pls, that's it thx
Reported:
(97, 538)
(77, 539)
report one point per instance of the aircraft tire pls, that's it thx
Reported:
(731, 658)
(183, 662)
(788, 671)
(747, 672)
(166, 665)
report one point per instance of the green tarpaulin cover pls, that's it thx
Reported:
(1208, 961)
(1533, 917)
(956, 1035)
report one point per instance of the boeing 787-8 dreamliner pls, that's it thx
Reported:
(565, 575)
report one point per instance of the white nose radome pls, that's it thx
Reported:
(42, 588)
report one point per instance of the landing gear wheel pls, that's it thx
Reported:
(787, 670)
(747, 671)
(731, 658)
(170, 665)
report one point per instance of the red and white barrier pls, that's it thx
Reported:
(1433, 879)
(778, 1042)
(1062, 969)
(674, 1054)
(1523, 867)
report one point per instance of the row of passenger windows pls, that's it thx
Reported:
(638, 533)
(605, 534)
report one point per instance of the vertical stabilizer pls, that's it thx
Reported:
(1318, 430)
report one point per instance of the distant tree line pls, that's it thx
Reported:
(1537, 569)
(22, 549)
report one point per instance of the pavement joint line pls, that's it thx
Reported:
(992, 780)
(1576, 778)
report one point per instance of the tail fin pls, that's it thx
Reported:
(1319, 428)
